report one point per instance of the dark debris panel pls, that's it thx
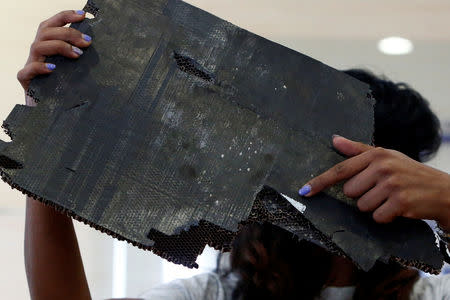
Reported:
(166, 129)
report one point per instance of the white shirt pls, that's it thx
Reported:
(210, 286)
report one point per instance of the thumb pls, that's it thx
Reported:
(349, 147)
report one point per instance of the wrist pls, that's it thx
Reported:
(444, 206)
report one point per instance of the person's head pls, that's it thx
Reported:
(403, 118)
(273, 264)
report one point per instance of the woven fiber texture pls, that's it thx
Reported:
(166, 129)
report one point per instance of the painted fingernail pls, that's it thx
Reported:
(86, 37)
(80, 12)
(77, 50)
(305, 190)
(51, 67)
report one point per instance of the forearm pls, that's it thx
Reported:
(444, 196)
(52, 257)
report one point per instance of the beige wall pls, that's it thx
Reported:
(340, 35)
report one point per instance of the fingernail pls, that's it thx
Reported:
(336, 135)
(86, 37)
(77, 50)
(80, 12)
(51, 67)
(305, 190)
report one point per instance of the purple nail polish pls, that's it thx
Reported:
(51, 67)
(77, 50)
(305, 190)
(80, 12)
(86, 37)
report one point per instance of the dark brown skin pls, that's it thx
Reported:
(388, 183)
(52, 257)
(52, 39)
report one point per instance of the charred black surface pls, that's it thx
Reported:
(168, 150)
(8, 163)
(190, 66)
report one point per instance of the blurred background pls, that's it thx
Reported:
(342, 34)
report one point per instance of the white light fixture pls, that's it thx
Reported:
(395, 46)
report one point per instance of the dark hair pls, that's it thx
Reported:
(403, 118)
(273, 264)
(386, 281)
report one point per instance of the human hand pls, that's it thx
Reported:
(52, 39)
(388, 183)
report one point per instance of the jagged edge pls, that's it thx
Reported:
(102, 229)
(91, 7)
(7, 130)
(333, 248)
(222, 247)
(32, 94)
(417, 264)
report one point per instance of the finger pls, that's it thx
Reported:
(373, 199)
(387, 212)
(32, 70)
(361, 183)
(348, 147)
(339, 172)
(63, 18)
(66, 34)
(39, 50)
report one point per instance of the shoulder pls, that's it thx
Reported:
(203, 286)
(429, 288)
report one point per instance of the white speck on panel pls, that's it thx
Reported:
(299, 206)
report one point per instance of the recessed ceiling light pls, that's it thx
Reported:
(395, 46)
